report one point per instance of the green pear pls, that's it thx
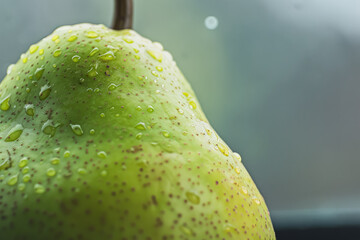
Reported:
(101, 137)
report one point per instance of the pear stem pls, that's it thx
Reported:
(123, 17)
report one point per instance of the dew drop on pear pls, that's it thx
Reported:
(50, 172)
(102, 154)
(55, 161)
(5, 103)
(193, 197)
(29, 109)
(57, 53)
(140, 126)
(76, 58)
(39, 189)
(44, 92)
(23, 162)
(12, 180)
(48, 128)
(14, 133)
(39, 72)
(109, 56)
(26, 178)
(67, 154)
(77, 130)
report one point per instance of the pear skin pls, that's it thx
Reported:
(102, 137)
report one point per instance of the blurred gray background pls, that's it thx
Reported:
(278, 80)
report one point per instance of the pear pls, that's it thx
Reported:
(101, 137)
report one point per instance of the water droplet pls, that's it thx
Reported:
(48, 128)
(180, 111)
(92, 34)
(187, 230)
(103, 173)
(51, 172)
(14, 133)
(5, 103)
(223, 149)
(193, 197)
(72, 38)
(76, 58)
(139, 108)
(140, 126)
(25, 170)
(256, 201)
(137, 57)
(139, 136)
(159, 68)
(54, 65)
(102, 115)
(128, 40)
(165, 133)
(25, 59)
(39, 189)
(9, 69)
(237, 156)
(23, 162)
(39, 72)
(57, 53)
(5, 164)
(2, 177)
(102, 154)
(97, 90)
(211, 22)
(155, 54)
(44, 92)
(41, 51)
(244, 190)
(26, 178)
(55, 161)
(154, 73)
(82, 80)
(93, 52)
(55, 37)
(136, 50)
(33, 49)
(92, 72)
(82, 171)
(67, 154)
(228, 228)
(12, 180)
(192, 104)
(112, 86)
(21, 186)
(92, 131)
(150, 109)
(76, 129)
(109, 56)
(237, 170)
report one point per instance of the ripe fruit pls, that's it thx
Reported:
(103, 138)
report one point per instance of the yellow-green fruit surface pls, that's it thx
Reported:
(101, 137)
